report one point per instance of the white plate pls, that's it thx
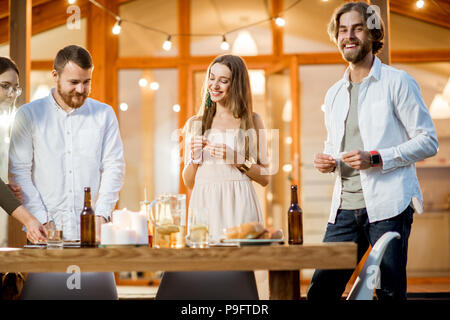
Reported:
(254, 242)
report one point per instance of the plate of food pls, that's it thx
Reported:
(252, 234)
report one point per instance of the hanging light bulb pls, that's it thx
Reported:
(225, 45)
(117, 28)
(420, 4)
(71, 1)
(280, 22)
(167, 45)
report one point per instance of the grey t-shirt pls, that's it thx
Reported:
(352, 194)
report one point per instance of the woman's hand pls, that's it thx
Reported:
(196, 146)
(36, 232)
(224, 152)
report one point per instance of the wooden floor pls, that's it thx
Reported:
(417, 289)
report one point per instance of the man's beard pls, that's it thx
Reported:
(67, 97)
(354, 57)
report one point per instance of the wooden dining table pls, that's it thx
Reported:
(283, 262)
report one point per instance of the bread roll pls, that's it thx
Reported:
(248, 230)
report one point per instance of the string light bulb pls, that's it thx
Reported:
(280, 22)
(420, 4)
(224, 45)
(117, 28)
(71, 1)
(167, 45)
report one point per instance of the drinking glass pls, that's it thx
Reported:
(198, 228)
(54, 231)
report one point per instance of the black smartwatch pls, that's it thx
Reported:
(375, 159)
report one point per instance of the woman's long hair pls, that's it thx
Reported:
(239, 99)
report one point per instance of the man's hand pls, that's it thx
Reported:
(357, 159)
(16, 190)
(324, 162)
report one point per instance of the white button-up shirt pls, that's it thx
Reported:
(393, 120)
(54, 154)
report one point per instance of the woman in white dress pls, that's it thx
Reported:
(226, 149)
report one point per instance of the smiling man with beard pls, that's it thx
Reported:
(65, 142)
(378, 127)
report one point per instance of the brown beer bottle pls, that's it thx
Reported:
(295, 215)
(87, 221)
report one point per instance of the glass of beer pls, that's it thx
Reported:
(55, 228)
(198, 228)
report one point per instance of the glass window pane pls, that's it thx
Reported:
(147, 121)
(306, 26)
(318, 188)
(54, 40)
(40, 84)
(219, 17)
(412, 34)
(45, 45)
(434, 83)
(137, 40)
(307, 22)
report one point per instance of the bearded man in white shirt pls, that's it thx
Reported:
(378, 126)
(65, 142)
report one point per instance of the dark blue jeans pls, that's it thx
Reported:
(353, 225)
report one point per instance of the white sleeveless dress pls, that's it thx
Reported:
(227, 194)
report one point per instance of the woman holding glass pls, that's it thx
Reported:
(226, 149)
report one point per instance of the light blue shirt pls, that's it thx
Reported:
(393, 120)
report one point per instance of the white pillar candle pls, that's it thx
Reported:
(121, 218)
(107, 234)
(139, 225)
(125, 236)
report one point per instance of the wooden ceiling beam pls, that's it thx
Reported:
(433, 12)
(46, 15)
(262, 61)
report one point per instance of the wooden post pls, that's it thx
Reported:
(277, 32)
(20, 44)
(184, 20)
(295, 123)
(385, 53)
(103, 46)
(284, 285)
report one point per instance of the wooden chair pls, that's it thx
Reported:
(208, 285)
(365, 283)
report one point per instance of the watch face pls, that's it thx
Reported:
(376, 159)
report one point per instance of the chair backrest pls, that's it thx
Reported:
(365, 283)
(208, 285)
(58, 286)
